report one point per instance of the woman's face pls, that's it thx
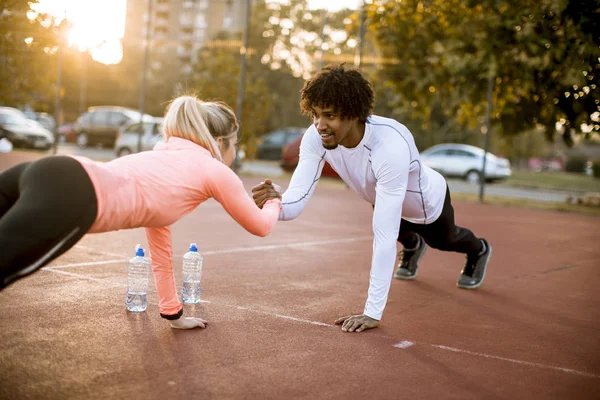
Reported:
(228, 152)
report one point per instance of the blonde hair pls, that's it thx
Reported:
(201, 122)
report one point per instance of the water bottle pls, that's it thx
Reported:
(192, 274)
(137, 281)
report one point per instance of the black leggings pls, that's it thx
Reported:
(46, 206)
(442, 234)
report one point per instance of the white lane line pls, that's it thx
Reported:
(106, 253)
(320, 225)
(285, 245)
(112, 283)
(405, 344)
(87, 264)
(275, 315)
(528, 363)
(225, 251)
(402, 345)
(307, 321)
(105, 281)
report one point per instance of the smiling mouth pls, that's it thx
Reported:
(326, 136)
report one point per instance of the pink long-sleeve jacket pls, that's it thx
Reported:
(154, 189)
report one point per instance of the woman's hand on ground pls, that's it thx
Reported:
(188, 323)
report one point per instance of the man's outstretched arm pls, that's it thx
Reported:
(303, 182)
(391, 171)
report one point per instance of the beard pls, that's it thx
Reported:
(331, 142)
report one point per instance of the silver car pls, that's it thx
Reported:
(23, 132)
(128, 135)
(465, 161)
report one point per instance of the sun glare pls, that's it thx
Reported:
(334, 5)
(97, 25)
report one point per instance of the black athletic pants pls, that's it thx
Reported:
(442, 234)
(46, 206)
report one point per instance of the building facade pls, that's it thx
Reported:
(178, 30)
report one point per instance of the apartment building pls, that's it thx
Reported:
(178, 29)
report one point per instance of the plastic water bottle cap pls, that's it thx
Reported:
(139, 252)
(193, 247)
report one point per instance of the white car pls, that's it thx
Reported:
(23, 132)
(127, 136)
(465, 161)
(127, 139)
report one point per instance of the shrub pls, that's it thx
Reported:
(576, 164)
(596, 168)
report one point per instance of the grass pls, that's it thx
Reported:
(566, 181)
(526, 203)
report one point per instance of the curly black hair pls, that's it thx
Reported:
(346, 90)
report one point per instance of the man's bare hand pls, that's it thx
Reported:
(264, 192)
(357, 323)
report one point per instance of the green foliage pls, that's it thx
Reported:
(596, 168)
(543, 55)
(217, 73)
(287, 40)
(576, 163)
(27, 70)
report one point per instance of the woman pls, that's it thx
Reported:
(46, 206)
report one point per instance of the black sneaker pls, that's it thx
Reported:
(409, 261)
(471, 277)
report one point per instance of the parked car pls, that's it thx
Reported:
(539, 164)
(291, 155)
(22, 131)
(465, 161)
(127, 139)
(100, 124)
(127, 136)
(45, 119)
(67, 133)
(272, 144)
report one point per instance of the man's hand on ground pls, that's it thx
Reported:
(264, 192)
(188, 323)
(357, 323)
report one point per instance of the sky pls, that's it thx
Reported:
(98, 25)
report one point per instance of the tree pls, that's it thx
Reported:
(217, 77)
(543, 55)
(27, 42)
(286, 44)
(291, 41)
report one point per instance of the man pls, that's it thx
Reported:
(377, 158)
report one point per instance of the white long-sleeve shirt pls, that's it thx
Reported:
(384, 169)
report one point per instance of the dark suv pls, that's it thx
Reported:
(100, 124)
(272, 144)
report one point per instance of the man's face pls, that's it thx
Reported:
(331, 127)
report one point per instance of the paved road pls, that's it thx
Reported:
(96, 153)
(271, 169)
